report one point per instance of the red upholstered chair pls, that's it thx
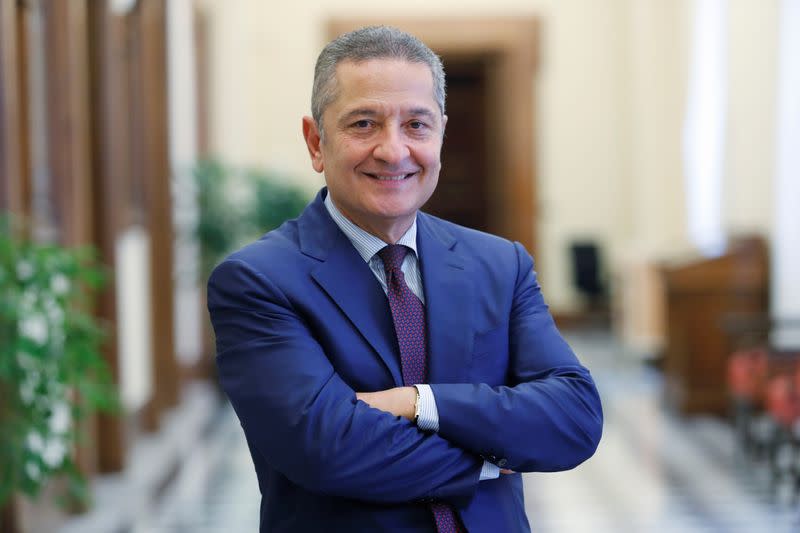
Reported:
(783, 408)
(764, 388)
(783, 401)
(749, 373)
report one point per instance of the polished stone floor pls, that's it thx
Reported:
(653, 472)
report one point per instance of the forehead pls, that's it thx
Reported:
(384, 82)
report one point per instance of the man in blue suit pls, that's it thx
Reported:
(392, 371)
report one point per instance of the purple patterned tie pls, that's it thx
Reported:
(408, 314)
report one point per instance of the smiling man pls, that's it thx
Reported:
(381, 152)
(392, 371)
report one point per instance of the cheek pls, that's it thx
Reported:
(351, 153)
(339, 156)
(430, 153)
(432, 168)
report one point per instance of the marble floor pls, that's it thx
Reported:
(653, 472)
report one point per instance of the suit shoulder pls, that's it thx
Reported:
(273, 249)
(470, 237)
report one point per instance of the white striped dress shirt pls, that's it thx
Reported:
(368, 246)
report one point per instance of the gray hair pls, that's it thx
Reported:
(372, 42)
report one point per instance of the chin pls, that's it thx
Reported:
(396, 210)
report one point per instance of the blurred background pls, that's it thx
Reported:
(644, 151)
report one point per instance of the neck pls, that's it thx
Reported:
(390, 232)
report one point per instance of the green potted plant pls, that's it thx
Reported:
(236, 206)
(275, 201)
(52, 373)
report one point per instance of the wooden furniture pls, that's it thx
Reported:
(700, 295)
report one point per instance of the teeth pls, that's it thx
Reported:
(391, 178)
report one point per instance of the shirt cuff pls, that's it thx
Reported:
(489, 471)
(428, 419)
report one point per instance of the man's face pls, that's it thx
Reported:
(383, 137)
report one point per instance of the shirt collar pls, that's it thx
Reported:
(366, 243)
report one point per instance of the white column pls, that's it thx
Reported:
(182, 91)
(786, 232)
(133, 308)
(704, 131)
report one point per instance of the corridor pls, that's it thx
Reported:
(654, 472)
(642, 152)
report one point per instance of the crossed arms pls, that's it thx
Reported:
(309, 425)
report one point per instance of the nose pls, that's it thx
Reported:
(391, 147)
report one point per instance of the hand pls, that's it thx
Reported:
(506, 471)
(399, 401)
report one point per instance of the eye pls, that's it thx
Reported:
(417, 125)
(362, 124)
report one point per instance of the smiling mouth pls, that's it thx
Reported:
(387, 177)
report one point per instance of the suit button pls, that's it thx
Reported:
(502, 462)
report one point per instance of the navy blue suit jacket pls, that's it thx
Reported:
(302, 324)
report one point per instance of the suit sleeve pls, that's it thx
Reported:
(548, 417)
(305, 420)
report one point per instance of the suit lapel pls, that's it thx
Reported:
(347, 279)
(448, 302)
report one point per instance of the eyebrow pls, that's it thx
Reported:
(423, 112)
(367, 112)
(359, 112)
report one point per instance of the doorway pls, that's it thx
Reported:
(462, 192)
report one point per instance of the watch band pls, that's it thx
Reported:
(416, 406)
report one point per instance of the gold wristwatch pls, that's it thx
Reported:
(416, 406)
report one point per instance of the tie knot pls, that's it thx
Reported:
(392, 256)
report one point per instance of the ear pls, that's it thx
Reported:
(311, 135)
(444, 124)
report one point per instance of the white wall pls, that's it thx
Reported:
(657, 48)
(584, 121)
(752, 74)
(610, 107)
(652, 197)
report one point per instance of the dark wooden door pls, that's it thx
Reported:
(462, 193)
